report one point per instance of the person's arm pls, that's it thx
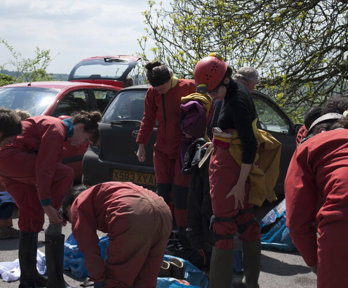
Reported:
(141, 153)
(301, 200)
(84, 229)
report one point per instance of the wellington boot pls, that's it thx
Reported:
(27, 251)
(251, 263)
(54, 247)
(221, 268)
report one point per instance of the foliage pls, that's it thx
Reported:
(299, 47)
(26, 70)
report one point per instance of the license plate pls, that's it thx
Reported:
(144, 179)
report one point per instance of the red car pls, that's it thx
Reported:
(57, 98)
(110, 70)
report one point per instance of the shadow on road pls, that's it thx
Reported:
(278, 267)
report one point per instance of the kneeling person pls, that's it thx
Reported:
(138, 223)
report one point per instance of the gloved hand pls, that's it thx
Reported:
(98, 284)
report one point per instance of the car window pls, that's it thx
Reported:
(103, 97)
(128, 105)
(72, 102)
(270, 118)
(31, 99)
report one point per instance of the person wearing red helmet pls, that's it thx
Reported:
(229, 187)
(32, 172)
(162, 104)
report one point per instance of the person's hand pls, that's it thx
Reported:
(238, 192)
(53, 214)
(141, 153)
(314, 269)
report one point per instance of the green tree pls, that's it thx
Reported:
(26, 69)
(299, 47)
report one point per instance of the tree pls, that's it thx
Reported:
(26, 70)
(299, 47)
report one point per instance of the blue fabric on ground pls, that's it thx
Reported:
(274, 233)
(74, 262)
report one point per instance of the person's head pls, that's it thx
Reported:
(332, 116)
(215, 74)
(128, 82)
(10, 126)
(85, 127)
(158, 76)
(22, 114)
(69, 200)
(311, 115)
(248, 76)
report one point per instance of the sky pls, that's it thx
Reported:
(71, 29)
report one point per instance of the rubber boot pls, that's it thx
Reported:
(251, 263)
(221, 267)
(30, 277)
(54, 247)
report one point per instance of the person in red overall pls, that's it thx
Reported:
(31, 170)
(316, 193)
(9, 123)
(162, 104)
(228, 181)
(138, 223)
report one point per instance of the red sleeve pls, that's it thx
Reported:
(149, 119)
(49, 153)
(84, 227)
(302, 132)
(301, 199)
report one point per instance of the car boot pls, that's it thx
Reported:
(54, 247)
(251, 263)
(221, 268)
(30, 277)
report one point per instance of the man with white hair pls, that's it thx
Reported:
(248, 76)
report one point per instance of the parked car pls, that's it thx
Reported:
(115, 70)
(114, 158)
(58, 98)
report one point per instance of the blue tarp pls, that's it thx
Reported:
(274, 233)
(74, 262)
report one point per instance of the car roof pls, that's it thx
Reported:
(121, 57)
(59, 85)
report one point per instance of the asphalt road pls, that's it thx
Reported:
(277, 269)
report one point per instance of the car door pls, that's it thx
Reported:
(273, 120)
(123, 118)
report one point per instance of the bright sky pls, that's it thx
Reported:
(71, 29)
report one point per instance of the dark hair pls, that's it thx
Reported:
(336, 104)
(10, 123)
(157, 73)
(311, 115)
(70, 198)
(90, 121)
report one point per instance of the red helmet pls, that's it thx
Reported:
(210, 71)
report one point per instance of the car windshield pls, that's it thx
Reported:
(100, 70)
(128, 105)
(30, 99)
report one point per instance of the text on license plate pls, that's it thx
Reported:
(139, 178)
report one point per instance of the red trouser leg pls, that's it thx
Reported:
(332, 255)
(20, 182)
(170, 178)
(223, 175)
(135, 261)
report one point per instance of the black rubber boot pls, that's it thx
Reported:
(54, 247)
(251, 263)
(221, 268)
(30, 277)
